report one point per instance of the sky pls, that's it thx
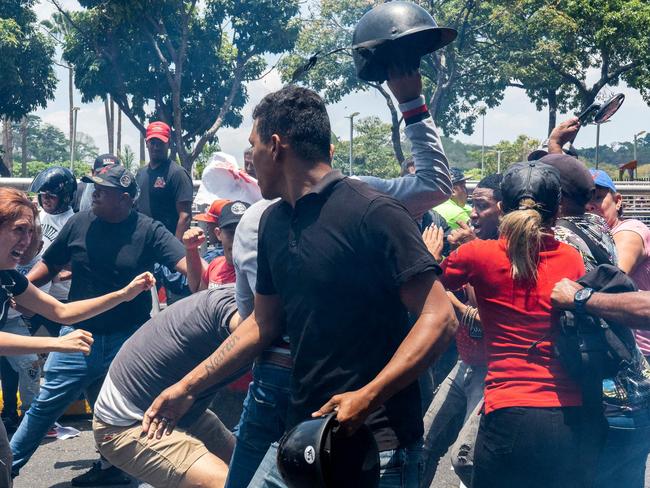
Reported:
(516, 115)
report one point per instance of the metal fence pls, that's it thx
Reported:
(636, 195)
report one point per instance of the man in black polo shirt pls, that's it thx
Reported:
(106, 248)
(340, 264)
(166, 188)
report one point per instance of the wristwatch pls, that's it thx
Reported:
(580, 299)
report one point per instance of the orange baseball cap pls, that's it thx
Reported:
(213, 213)
(158, 130)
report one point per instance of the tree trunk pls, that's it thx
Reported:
(71, 106)
(8, 144)
(119, 132)
(395, 123)
(108, 101)
(23, 146)
(552, 110)
(143, 159)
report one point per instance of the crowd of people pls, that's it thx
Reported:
(388, 303)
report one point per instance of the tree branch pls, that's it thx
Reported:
(238, 75)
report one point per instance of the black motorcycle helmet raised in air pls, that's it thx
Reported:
(395, 33)
(317, 454)
(56, 180)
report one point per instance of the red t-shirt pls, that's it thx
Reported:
(219, 273)
(514, 318)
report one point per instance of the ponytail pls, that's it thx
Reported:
(523, 231)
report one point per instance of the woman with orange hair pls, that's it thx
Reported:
(18, 224)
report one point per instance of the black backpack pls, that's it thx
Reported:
(590, 348)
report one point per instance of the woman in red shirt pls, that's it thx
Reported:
(534, 431)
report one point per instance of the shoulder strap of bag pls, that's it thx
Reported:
(598, 253)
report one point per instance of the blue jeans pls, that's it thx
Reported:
(624, 457)
(262, 421)
(67, 376)
(26, 365)
(398, 468)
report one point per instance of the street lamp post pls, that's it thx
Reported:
(351, 117)
(74, 138)
(482, 109)
(635, 138)
(597, 144)
(499, 161)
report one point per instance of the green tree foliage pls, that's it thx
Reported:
(27, 79)
(372, 150)
(511, 152)
(456, 78)
(48, 145)
(80, 168)
(554, 49)
(177, 61)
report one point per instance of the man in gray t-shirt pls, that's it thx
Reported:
(158, 355)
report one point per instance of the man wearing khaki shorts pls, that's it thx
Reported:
(158, 355)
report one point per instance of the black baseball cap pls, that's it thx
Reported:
(104, 160)
(231, 213)
(115, 177)
(457, 175)
(577, 183)
(535, 180)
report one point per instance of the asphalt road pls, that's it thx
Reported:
(56, 462)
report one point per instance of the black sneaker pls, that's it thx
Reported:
(101, 477)
(11, 423)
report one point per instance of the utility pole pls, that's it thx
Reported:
(351, 117)
(635, 138)
(499, 161)
(74, 138)
(482, 109)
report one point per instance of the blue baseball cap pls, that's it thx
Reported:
(602, 179)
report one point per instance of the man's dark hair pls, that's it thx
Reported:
(299, 115)
(492, 182)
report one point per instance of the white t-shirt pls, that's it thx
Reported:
(112, 408)
(52, 225)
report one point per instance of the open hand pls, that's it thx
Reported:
(165, 411)
(140, 283)
(434, 238)
(76, 341)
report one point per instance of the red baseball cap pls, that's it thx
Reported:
(158, 130)
(213, 213)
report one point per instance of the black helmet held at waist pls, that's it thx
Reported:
(318, 454)
(395, 33)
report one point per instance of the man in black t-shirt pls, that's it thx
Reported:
(165, 187)
(106, 248)
(340, 265)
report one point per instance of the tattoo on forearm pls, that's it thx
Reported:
(219, 356)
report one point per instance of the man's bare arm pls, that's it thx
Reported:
(254, 335)
(41, 273)
(631, 309)
(184, 210)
